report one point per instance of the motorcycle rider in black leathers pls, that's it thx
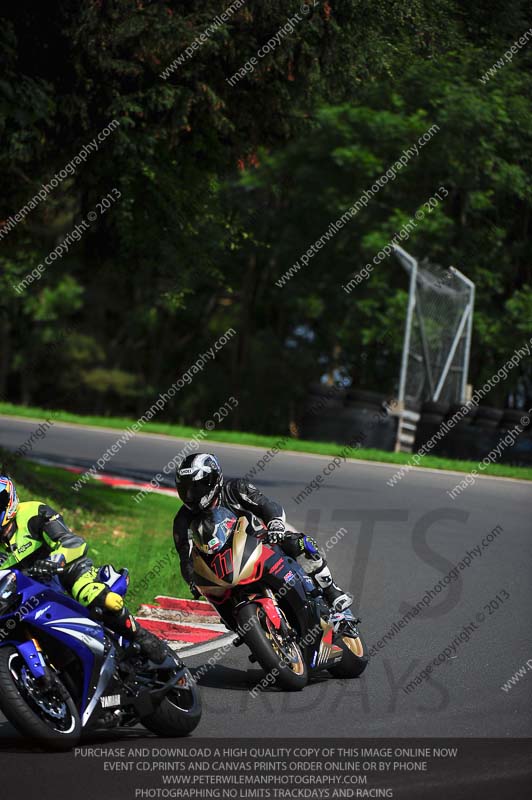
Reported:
(200, 485)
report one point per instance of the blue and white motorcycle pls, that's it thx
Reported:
(63, 672)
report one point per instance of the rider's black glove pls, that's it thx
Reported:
(194, 591)
(45, 569)
(276, 531)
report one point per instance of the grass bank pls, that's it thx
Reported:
(266, 442)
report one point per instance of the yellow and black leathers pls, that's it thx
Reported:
(40, 533)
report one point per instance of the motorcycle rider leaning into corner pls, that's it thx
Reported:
(33, 535)
(201, 487)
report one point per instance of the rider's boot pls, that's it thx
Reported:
(333, 594)
(122, 622)
(150, 645)
(337, 598)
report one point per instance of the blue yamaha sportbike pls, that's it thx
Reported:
(63, 672)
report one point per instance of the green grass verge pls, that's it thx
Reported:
(257, 440)
(117, 531)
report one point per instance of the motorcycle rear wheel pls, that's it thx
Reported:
(49, 718)
(179, 712)
(293, 675)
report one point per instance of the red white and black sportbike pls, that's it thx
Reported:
(271, 602)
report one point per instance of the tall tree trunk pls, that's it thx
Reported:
(5, 353)
(244, 332)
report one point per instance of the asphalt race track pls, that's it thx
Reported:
(399, 542)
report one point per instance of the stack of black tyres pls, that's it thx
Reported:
(487, 418)
(365, 416)
(477, 432)
(520, 454)
(357, 398)
(319, 421)
(457, 440)
(510, 418)
(333, 415)
(432, 415)
(483, 435)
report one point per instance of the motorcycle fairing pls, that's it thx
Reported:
(66, 621)
(52, 617)
(241, 561)
(245, 560)
(328, 650)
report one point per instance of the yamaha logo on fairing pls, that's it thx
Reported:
(42, 611)
(110, 700)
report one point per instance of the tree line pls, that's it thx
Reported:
(215, 191)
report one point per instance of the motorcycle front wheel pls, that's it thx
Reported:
(354, 660)
(282, 661)
(46, 715)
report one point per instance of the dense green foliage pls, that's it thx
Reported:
(223, 187)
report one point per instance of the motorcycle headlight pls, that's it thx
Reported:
(8, 592)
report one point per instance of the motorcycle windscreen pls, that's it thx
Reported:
(212, 529)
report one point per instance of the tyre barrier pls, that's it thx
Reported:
(322, 396)
(362, 399)
(333, 414)
(370, 427)
(476, 435)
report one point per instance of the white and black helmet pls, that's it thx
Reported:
(199, 481)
